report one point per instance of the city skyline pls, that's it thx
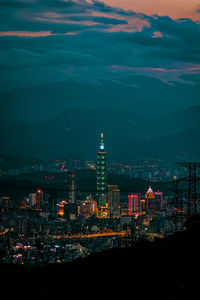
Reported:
(44, 214)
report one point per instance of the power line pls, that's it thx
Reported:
(190, 194)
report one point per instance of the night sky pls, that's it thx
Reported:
(141, 56)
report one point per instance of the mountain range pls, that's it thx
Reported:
(140, 95)
(75, 133)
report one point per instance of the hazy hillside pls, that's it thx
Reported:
(33, 104)
(75, 133)
(85, 182)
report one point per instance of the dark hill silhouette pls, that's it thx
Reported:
(22, 184)
(140, 94)
(74, 133)
(164, 269)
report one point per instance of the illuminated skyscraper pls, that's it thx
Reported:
(39, 199)
(101, 175)
(61, 209)
(150, 201)
(113, 201)
(158, 200)
(71, 180)
(133, 203)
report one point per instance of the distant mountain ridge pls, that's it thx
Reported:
(138, 94)
(75, 133)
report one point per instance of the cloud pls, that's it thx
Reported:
(51, 41)
(157, 34)
(25, 33)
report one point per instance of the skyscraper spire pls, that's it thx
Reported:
(101, 143)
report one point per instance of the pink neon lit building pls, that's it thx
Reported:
(133, 203)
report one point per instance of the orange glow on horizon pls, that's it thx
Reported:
(173, 8)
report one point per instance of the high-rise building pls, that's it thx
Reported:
(134, 204)
(85, 209)
(4, 201)
(71, 180)
(39, 199)
(102, 212)
(150, 201)
(143, 206)
(61, 209)
(101, 175)
(32, 199)
(88, 207)
(113, 201)
(159, 200)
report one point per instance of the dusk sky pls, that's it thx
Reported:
(97, 42)
(172, 8)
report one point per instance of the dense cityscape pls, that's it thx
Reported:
(57, 224)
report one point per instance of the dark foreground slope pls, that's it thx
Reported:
(164, 269)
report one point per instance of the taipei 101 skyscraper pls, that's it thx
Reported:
(101, 175)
